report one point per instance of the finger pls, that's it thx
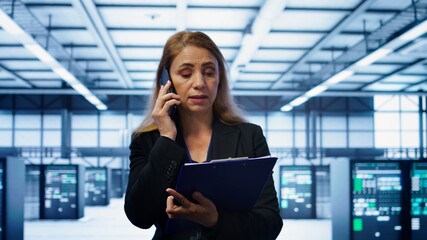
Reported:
(169, 202)
(159, 101)
(166, 84)
(165, 102)
(180, 198)
(164, 88)
(169, 206)
(169, 96)
(160, 98)
(170, 103)
(200, 198)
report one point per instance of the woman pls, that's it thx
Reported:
(206, 125)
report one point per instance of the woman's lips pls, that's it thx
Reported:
(199, 96)
(198, 99)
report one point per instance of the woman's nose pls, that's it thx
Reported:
(199, 81)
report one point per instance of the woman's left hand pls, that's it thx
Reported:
(203, 211)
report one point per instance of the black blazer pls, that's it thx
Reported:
(154, 165)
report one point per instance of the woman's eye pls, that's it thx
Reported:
(186, 75)
(210, 73)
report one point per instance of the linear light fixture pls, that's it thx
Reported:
(316, 90)
(10, 26)
(373, 57)
(286, 108)
(96, 27)
(415, 32)
(41, 53)
(266, 17)
(298, 101)
(367, 60)
(338, 77)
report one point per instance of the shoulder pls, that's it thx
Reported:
(245, 129)
(249, 128)
(145, 138)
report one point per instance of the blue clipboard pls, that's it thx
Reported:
(231, 184)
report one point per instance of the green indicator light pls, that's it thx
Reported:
(358, 184)
(416, 212)
(284, 204)
(357, 224)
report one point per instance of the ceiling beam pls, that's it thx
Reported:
(327, 38)
(94, 23)
(402, 28)
(16, 77)
(396, 72)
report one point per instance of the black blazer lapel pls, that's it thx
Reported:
(225, 140)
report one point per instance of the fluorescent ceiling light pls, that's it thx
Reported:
(9, 25)
(81, 89)
(286, 108)
(415, 32)
(338, 77)
(249, 47)
(298, 101)
(261, 26)
(348, 71)
(316, 91)
(66, 75)
(41, 53)
(101, 107)
(92, 99)
(95, 101)
(267, 16)
(373, 57)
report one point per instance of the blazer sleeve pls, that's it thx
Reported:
(264, 220)
(154, 164)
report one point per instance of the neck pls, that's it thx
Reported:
(194, 124)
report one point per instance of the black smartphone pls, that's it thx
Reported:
(164, 79)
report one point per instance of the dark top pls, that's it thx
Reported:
(154, 166)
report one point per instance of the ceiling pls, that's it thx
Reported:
(275, 49)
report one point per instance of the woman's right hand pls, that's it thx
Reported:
(202, 211)
(164, 102)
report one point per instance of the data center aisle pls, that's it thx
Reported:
(110, 223)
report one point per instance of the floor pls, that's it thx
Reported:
(110, 223)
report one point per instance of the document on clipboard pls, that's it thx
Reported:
(231, 184)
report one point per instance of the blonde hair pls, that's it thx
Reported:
(224, 107)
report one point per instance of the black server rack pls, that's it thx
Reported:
(381, 200)
(97, 186)
(12, 187)
(418, 174)
(323, 191)
(297, 192)
(119, 179)
(32, 192)
(62, 192)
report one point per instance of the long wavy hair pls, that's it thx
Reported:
(224, 106)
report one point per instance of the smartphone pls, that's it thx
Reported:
(164, 79)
